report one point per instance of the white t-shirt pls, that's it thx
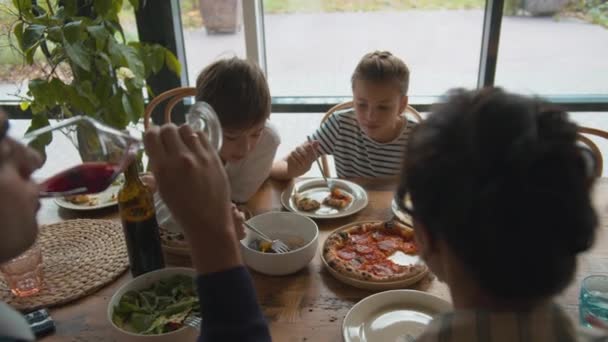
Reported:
(245, 176)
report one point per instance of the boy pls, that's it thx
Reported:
(238, 92)
(366, 141)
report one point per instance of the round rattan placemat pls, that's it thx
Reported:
(79, 257)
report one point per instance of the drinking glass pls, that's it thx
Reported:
(23, 274)
(84, 156)
(593, 300)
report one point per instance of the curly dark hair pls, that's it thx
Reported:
(501, 179)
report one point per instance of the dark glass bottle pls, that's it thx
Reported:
(138, 217)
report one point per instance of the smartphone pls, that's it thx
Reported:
(40, 322)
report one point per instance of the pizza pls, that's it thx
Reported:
(362, 252)
(172, 239)
(337, 199)
(306, 204)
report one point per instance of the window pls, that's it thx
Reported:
(312, 47)
(564, 53)
(212, 29)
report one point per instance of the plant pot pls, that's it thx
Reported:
(543, 7)
(223, 16)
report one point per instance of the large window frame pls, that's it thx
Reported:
(493, 14)
(160, 22)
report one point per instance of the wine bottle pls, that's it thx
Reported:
(136, 206)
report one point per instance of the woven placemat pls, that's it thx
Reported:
(79, 257)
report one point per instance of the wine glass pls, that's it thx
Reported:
(84, 156)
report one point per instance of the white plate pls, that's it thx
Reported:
(317, 190)
(375, 285)
(104, 199)
(392, 316)
(401, 215)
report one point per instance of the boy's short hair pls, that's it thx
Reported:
(237, 90)
(502, 180)
(382, 66)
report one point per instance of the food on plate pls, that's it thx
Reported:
(364, 252)
(305, 203)
(172, 239)
(337, 198)
(263, 246)
(159, 309)
(78, 199)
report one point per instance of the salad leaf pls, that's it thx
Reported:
(159, 309)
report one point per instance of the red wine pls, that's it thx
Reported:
(143, 245)
(92, 177)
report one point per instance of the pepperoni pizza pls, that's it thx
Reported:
(363, 252)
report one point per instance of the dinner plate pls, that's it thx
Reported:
(402, 259)
(105, 199)
(397, 315)
(316, 189)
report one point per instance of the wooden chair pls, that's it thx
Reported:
(582, 137)
(349, 104)
(173, 97)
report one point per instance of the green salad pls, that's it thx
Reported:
(159, 309)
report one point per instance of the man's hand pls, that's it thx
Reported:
(191, 181)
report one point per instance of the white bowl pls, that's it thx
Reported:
(144, 281)
(281, 225)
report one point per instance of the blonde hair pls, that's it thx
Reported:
(382, 66)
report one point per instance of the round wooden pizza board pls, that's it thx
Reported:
(371, 285)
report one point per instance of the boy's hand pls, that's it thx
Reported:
(300, 160)
(238, 217)
(192, 183)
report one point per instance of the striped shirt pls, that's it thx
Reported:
(356, 154)
(545, 324)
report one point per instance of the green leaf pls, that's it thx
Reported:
(39, 144)
(54, 34)
(72, 31)
(32, 36)
(137, 103)
(172, 63)
(126, 105)
(24, 105)
(70, 7)
(29, 54)
(102, 7)
(132, 60)
(18, 33)
(156, 58)
(100, 34)
(22, 5)
(78, 55)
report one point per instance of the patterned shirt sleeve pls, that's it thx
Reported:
(328, 134)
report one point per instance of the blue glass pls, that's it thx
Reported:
(593, 299)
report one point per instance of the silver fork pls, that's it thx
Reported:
(193, 321)
(276, 245)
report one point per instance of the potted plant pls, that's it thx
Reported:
(89, 67)
(221, 16)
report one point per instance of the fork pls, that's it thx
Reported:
(276, 245)
(317, 156)
(193, 321)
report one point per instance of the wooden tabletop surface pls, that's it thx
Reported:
(309, 305)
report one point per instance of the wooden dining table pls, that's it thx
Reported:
(309, 305)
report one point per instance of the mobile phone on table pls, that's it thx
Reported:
(40, 322)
